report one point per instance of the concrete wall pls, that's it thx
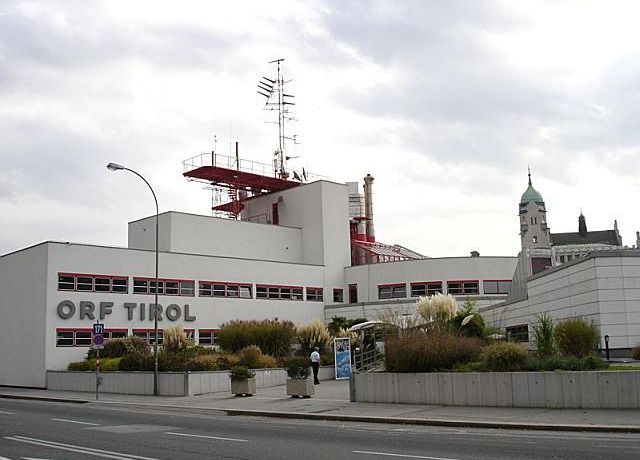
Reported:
(169, 383)
(194, 234)
(568, 390)
(23, 281)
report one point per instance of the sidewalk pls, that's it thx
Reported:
(331, 402)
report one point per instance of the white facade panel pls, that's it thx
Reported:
(23, 277)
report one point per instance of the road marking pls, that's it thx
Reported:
(207, 437)
(74, 421)
(386, 454)
(80, 449)
(6, 413)
(4, 458)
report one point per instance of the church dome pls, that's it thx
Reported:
(531, 195)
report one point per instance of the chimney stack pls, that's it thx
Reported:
(368, 208)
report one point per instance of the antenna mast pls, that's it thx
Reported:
(277, 99)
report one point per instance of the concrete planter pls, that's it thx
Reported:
(300, 387)
(567, 390)
(243, 387)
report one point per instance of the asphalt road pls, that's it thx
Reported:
(62, 431)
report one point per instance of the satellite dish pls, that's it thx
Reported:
(304, 174)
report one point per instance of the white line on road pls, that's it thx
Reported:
(207, 437)
(80, 449)
(6, 413)
(74, 421)
(386, 454)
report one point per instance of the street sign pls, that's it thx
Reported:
(97, 336)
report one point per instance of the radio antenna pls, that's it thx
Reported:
(277, 100)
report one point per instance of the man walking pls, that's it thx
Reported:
(315, 364)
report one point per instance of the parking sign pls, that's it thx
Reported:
(97, 337)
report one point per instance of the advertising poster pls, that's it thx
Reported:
(342, 348)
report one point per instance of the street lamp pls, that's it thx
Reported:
(117, 167)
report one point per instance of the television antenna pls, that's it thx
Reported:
(279, 101)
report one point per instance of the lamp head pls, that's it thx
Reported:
(115, 167)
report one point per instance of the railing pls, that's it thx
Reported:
(227, 162)
(248, 166)
(367, 360)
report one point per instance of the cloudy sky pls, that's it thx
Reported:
(445, 103)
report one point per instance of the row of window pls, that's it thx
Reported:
(399, 291)
(120, 284)
(82, 337)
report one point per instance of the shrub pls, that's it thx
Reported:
(175, 339)
(273, 337)
(576, 337)
(267, 362)
(429, 352)
(505, 357)
(110, 364)
(468, 322)
(87, 365)
(172, 361)
(297, 367)
(438, 310)
(240, 373)
(117, 348)
(571, 363)
(250, 356)
(635, 352)
(136, 361)
(543, 335)
(203, 363)
(313, 334)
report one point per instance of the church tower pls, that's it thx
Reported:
(535, 236)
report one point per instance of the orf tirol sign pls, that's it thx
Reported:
(86, 309)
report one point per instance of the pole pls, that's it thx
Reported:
(97, 373)
(155, 297)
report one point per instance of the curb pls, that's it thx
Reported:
(43, 398)
(365, 418)
(439, 422)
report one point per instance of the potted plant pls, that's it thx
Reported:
(298, 384)
(243, 382)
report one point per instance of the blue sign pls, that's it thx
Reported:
(97, 336)
(342, 353)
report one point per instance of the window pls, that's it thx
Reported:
(338, 295)
(264, 291)
(518, 333)
(207, 336)
(392, 291)
(314, 294)
(426, 289)
(220, 289)
(92, 283)
(535, 239)
(463, 287)
(496, 286)
(353, 293)
(165, 286)
(110, 334)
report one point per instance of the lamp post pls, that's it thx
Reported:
(117, 167)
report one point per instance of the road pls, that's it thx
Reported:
(63, 431)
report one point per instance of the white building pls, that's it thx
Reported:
(298, 267)
(586, 273)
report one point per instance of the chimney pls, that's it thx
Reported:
(368, 208)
